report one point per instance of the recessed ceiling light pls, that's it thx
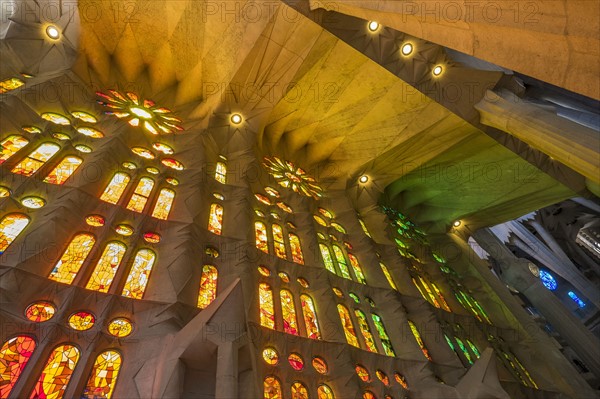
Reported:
(373, 26)
(52, 32)
(363, 179)
(437, 71)
(456, 223)
(407, 49)
(236, 119)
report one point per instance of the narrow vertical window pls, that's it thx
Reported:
(70, 262)
(208, 286)
(103, 377)
(296, 249)
(10, 145)
(11, 226)
(464, 350)
(57, 372)
(260, 231)
(278, 243)
(136, 282)
(310, 317)
(347, 325)
(388, 276)
(290, 324)
(415, 332)
(215, 220)
(221, 173)
(474, 349)
(36, 159)
(299, 391)
(113, 191)
(363, 324)
(138, 200)
(107, 266)
(357, 269)
(14, 355)
(63, 170)
(327, 259)
(267, 314)
(162, 208)
(383, 336)
(364, 227)
(341, 261)
(443, 302)
(272, 388)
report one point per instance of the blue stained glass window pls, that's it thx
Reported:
(548, 280)
(576, 299)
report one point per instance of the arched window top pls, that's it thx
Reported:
(272, 388)
(107, 266)
(139, 275)
(208, 286)
(290, 323)
(324, 392)
(299, 391)
(347, 325)
(10, 146)
(14, 356)
(261, 236)
(11, 226)
(215, 220)
(310, 317)
(54, 379)
(296, 248)
(115, 188)
(63, 170)
(103, 377)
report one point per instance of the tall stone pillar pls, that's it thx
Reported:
(227, 371)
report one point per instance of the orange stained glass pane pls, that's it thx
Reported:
(278, 243)
(347, 325)
(9, 85)
(401, 380)
(138, 277)
(103, 377)
(341, 261)
(263, 199)
(299, 391)
(324, 392)
(272, 388)
(82, 321)
(11, 226)
(362, 373)
(163, 204)
(310, 317)
(270, 356)
(432, 297)
(208, 286)
(296, 249)
(107, 266)
(14, 355)
(267, 314)
(369, 395)
(140, 195)
(290, 323)
(120, 327)
(415, 332)
(320, 365)
(10, 145)
(40, 311)
(215, 220)
(36, 159)
(443, 302)
(261, 236)
(172, 163)
(221, 173)
(55, 376)
(365, 330)
(113, 191)
(357, 269)
(383, 377)
(68, 266)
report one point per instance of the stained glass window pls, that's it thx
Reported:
(107, 266)
(297, 256)
(138, 200)
(310, 317)
(415, 332)
(388, 276)
(10, 145)
(338, 227)
(341, 261)
(221, 173)
(364, 227)
(576, 299)
(548, 280)
(278, 243)
(296, 361)
(383, 336)
(55, 376)
(363, 324)
(36, 159)
(270, 356)
(136, 282)
(320, 365)
(113, 191)
(84, 116)
(33, 202)
(290, 176)
(401, 380)
(267, 314)
(208, 286)
(95, 220)
(40, 311)
(327, 259)
(163, 204)
(429, 297)
(362, 373)
(10, 84)
(383, 377)
(272, 388)
(443, 302)
(264, 271)
(324, 392)
(260, 231)
(474, 349)
(290, 324)
(369, 395)
(215, 220)
(357, 269)
(120, 327)
(464, 350)
(82, 321)
(172, 163)
(103, 377)
(348, 326)
(14, 355)
(68, 266)
(299, 391)
(11, 226)
(55, 118)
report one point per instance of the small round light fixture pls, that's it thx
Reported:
(236, 119)
(456, 223)
(407, 49)
(373, 26)
(363, 179)
(534, 269)
(437, 70)
(52, 32)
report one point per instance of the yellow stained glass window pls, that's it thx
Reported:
(310, 317)
(388, 276)
(11, 226)
(278, 242)
(299, 391)
(63, 170)
(84, 116)
(138, 200)
(264, 271)
(290, 323)
(55, 376)
(401, 380)
(164, 148)
(429, 294)
(68, 266)
(138, 277)
(95, 220)
(143, 152)
(327, 259)
(267, 314)
(261, 236)
(415, 332)
(40, 312)
(14, 355)
(324, 392)
(107, 266)
(270, 356)
(338, 227)
(103, 377)
(362, 373)
(215, 220)
(208, 286)
(113, 191)
(163, 204)
(221, 173)
(4, 192)
(383, 336)
(90, 132)
(363, 324)
(320, 220)
(348, 326)
(36, 159)
(33, 202)
(357, 269)
(443, 302)
(10, 145)
(10, 84)
(120, 327)
(82, 321)
(296, 249)
(341, 261)
(172, 163)
(272, 388)
(55, 118)
(383, 377)
(285, 207)
(364, 227)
